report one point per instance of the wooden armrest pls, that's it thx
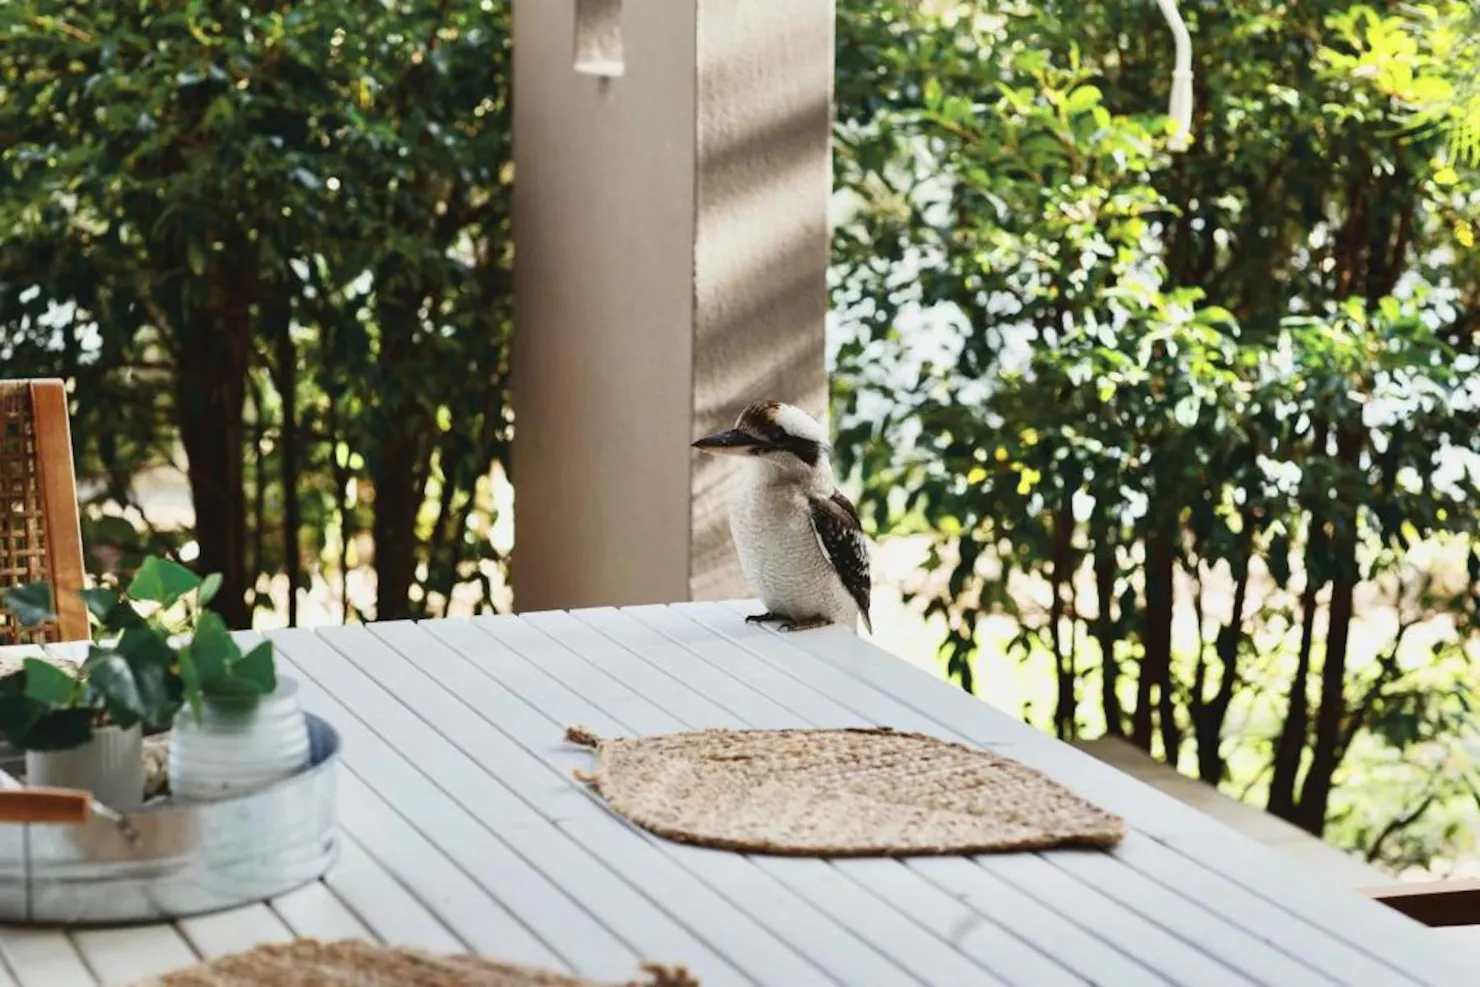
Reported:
(1434, 903)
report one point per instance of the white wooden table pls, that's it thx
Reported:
(463, 830)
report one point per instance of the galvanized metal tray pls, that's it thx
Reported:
(169, 860)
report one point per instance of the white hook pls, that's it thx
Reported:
(1181, 108)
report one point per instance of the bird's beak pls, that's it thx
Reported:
(730, 442)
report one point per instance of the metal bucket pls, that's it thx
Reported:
(181, 858)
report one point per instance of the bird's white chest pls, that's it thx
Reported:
(779, 551)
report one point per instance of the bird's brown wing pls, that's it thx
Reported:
(840, 534)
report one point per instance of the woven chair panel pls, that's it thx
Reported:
(23, 548)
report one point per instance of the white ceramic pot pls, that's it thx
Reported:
(110, 765)
(239, 745)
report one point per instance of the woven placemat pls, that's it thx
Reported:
(838, 793)
(355, 963)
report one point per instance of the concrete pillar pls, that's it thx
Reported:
(672, 174)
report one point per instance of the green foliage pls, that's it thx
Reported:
(48, 684)
(30, 603)
(155, 647)
(271, 247)
(1422, 57)
(1183, 417)
(221, 669)
(45, 708)
(30, 724)
(163, 582)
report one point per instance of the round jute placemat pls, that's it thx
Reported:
(838, 793)
(355, 963)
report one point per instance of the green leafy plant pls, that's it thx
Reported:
(207, 660)
(44, 707)
(154, 647)
(272, 246)
(1189, 435)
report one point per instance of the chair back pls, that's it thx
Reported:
(40, 526)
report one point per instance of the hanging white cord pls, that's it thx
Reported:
(1181, 108)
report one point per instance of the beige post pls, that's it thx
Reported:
(672, 174)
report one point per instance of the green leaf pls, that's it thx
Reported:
(1082, 99)
(190, 681)
(145, 645)
(195, 256)
(110, 610)
(112, 678)
(161, 691)
(257, 669)
(17, 713)
(160, 684)
(30, 603)
(209, 586)
(233, 688)
(212, 649)
(45, 683)
(933, 92)
(100, 603)
(162, 581)
(59, 730)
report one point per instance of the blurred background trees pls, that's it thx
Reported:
(1203, 425)
(270, 244)
(1200, 426)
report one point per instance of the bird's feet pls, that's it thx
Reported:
(765, 618)
(786, 623)
(805, 624)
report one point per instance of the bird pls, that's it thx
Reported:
(800, 543)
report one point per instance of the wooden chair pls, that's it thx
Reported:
(40, 526)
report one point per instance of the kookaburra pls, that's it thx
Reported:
(799, 541)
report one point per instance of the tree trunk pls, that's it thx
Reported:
(1210, 719)
(210, 394)
(1293, 732)
(1161, 561)
(1104, 630)
(1062, 578)
(1154, 683)
(334, 387)
(1290, 747)
(257, 561)
(397, 500)
(400, 434)
(285, 382)
(1315, 793)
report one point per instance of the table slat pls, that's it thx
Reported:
(392, 913)
(40, 957)
(123, 955)
(234, 930)
(315, 912)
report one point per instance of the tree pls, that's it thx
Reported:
(277, 239)
(1223, 388)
